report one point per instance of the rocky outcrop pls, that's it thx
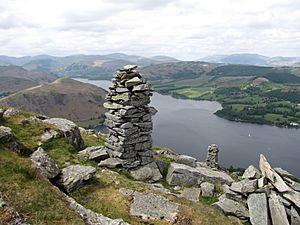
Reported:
(267, 194)
(10, 112)
(129, 119)
(74, 176)
(212, 156)
(44, 164)
(70, 130)
(153, 207)
(180, 174)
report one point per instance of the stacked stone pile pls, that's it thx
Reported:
(266, 197)
(129, 119)
(212, 156)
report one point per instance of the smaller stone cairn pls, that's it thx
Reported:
(212, 156)
(129, 118)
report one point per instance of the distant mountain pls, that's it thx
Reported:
(251, 59)
(15, 78)
(88, 66)
(62, 98)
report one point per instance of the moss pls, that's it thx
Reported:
(93, 140)
(30, 194)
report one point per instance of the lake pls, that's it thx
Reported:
(189, 126)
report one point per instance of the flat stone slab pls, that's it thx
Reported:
(244, 186)
(44, 163)
(277, 210)
(153, 207)
(232, 208)
(96, 153)
(180, 174)
(74, 176)
(191, 194)
(258, 209)
(251, 173)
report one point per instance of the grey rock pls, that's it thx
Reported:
(244, 186)
(44, 163)
(70, 130)
(191, 194)
(251, 173)
(153, 207)
(258, 209)
(233, 195)
(293, 196)
(207, 189)
(96, 153)
(293, 184)
(110, 163)
(187, 160)
(295, 217)
(262, 182)
(91, 217)
(132, 82)
(285, 202)
(268, 172)
(232, 208)
(278, 214)
(10, 112)
(129, 67)
(49, 135)
(160, 164)
(74, 176)
(161, 188)
(180, 174)
(8, 138)
(149, 172)
(109, 105)
(284, 173)
(142, 87)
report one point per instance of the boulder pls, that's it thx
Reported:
(110, 163)
(8, 138)
(233, 195)
(244, 186)
(187, 160)
(70, 130)
(44, 163)
(295, 217)
(278, 214)
(10, 112)
(232, 208)
(258, 209)
(191, 194)
(180, 174)
(74, 176)
(149, 172)
(251, 173)
(153, 207)
(207, 189)
(96, 153)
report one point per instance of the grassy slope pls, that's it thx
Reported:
(41, 203)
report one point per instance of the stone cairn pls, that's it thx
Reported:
(129, 119)
(212, 156)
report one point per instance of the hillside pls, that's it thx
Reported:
(62, 98)
(15, 78)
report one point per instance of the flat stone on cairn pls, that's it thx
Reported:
(129, 118)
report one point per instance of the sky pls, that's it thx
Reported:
(185, 29)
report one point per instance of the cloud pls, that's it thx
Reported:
(187, 29)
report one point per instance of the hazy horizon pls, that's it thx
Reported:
(184, 29)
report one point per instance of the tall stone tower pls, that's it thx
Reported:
(129, 119)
